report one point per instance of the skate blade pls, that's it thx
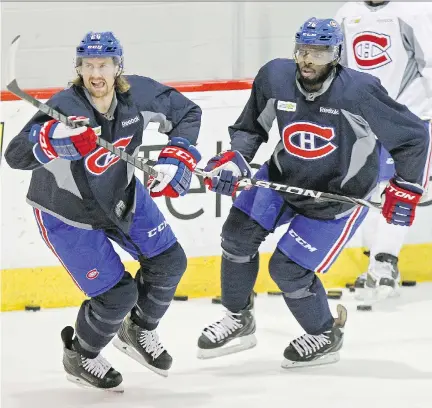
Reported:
(131, 352)
(84, 384)
(245, 343)
(330, 358)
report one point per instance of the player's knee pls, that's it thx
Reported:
(241, 236)
(166, 268)
(118, 301)
(294, 280)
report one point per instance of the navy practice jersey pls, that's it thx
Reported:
(98, 191)
(328, 138)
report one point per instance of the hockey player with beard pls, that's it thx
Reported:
(390, 40)
(83, 198)
(329, 118)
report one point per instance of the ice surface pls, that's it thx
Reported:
(386, 361)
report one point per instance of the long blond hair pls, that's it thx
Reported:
(121, 84)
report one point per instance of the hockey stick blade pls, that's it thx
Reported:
(283, 188)
(13, 87)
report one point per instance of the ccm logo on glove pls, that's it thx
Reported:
(175, 166)
(183, 155)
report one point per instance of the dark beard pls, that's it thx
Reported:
(313, 82)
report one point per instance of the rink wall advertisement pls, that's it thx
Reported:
(31, 275)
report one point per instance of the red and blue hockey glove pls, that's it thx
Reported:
(400, 203)
(176, 162)
(226, 168)
(55, 140)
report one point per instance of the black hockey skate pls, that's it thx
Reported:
(309, 350)
(88, 372)
(143, 346)
(237, 327)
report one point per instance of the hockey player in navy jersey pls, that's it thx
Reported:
(84, 198)
(329, 118)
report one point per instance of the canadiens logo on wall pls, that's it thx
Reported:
(370, 50)
(101, 159)
(308, 140)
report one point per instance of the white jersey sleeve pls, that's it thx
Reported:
(392, 42)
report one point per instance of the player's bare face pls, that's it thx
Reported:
(99, 76)
(312, 73)
(313, 64)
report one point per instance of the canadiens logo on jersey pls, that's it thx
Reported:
(370, 50)
(101, 159)
(308, 140)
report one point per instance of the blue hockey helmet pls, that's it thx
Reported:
(320, 32)
(100, 44)
(323, 35)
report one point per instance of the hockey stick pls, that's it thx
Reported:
(13, 87)
(283, 188)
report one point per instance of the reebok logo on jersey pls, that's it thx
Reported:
(370, 50)
(308, 141)
(329, 110)
(286, 106)
(101, 159)
(130, 121)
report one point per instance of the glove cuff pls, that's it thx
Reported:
(406, 185)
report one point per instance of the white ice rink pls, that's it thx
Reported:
(386, 361)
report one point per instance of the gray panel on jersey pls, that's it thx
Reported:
(267, 116)
(130, 167)
(247, 145)
(279, 147)
(165, 124)
(62, 172)
(363, 146)
(416, 61)
(65, 220)
(251, 143)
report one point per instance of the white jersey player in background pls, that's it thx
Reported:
(390, 40)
